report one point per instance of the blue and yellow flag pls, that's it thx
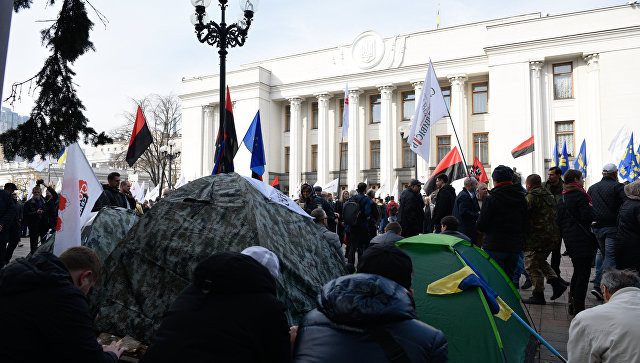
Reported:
(638, 154)
(465, 279)
(62, 156)
(555, 154)
(563, 160)
(629, 168)
(580, 163)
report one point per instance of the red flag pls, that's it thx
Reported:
(451, 165)
(275, 182)
(477, 171)
(523, 149)
(140, 138)
(227, 142)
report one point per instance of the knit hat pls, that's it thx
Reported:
(389, 261)
(266, 258)
(632, 190)
(502, 174)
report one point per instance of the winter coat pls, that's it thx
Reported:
(51, 208)
(457, 234)
(315, 201)
(387, 237)
(411, 212)
(7, 215)
(628, 236)
(556, 190)
(330, 237)
(574, 208)
(503, 219)
(337, 330)
(542, 232)
(445, 200)
(38, 223)
(44, 317)
(607, 196)
(466, 210)
(234, 317)
(111, 197)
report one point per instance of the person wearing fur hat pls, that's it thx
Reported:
(503, 220)
(627, 250)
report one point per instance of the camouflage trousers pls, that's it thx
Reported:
(535, 262)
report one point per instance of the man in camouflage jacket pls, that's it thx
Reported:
(541, 236)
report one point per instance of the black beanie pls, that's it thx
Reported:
(389, 261)
(502, 174)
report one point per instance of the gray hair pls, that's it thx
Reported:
(318, 215)
(615, 280)
(470, 181)
(481, 184)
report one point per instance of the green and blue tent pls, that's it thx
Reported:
(460, 290)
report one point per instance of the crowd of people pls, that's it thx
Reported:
(230, 310)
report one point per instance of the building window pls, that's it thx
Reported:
(408, 156)
(563, 81)
(446, 93)
(374, 154)
(286, 159)
(408, 105)
(480, 97)
(374, 109)
(314, 157)
(444, 146)
(314, 115)
(564, 133)
(287, 117)
(341, 114)
(481, 147)
(344, 152)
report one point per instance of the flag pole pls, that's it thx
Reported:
(339, 175)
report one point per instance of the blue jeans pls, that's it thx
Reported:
(508, 261)
(605, 258)
(520, 270)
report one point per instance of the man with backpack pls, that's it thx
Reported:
(356, 211)
(392, 210)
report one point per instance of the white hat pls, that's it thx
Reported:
(266, 258)
(609, 168)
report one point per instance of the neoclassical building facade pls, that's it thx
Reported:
(560, 78)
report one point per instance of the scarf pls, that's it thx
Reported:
(581, 188)
(508, 182)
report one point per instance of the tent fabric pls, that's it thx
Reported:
(473, 333)
(222, 212)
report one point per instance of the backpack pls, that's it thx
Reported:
(352, 212)
(393, 210)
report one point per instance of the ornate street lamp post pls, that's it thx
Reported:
(171, 155)
(222, 35)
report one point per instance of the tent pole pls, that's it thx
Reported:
(541, 339)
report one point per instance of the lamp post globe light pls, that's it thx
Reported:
(222, 35)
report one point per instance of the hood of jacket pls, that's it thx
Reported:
(632, 190)
(540, 192)
(365, 298)
(42, 270)
(232, 273)
(510, 194)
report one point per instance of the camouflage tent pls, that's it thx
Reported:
(155, 261)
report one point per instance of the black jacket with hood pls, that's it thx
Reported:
(607, 196)
(628, 237)
(230, 313)
(445, 200)
(43, 316)
(574, 219)
(337, 331)
(503, 219)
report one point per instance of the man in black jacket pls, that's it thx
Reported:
(445, 200)
(466, 210)
(111, 196)
(411, 212)
(370, 316)
(44, 313)
(37, 217)
(229, 313)
(607, 196)
(7, 220)
(503, 220)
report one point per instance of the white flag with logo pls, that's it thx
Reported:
(276, 196)
(80, 191)
(140, 196)
(153, 193)
(431, 108)
(135, 190)
(345, 113)
(382, 190)
(39, 162)
(331, 187)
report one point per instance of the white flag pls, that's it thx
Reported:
(32, 184)
(153, 193)
(619, 144)
(140, 196)
(382, 190)
(182, 181)
(331, 187)
(39, 162)
(135, 190)
(394, 191)
(431, 108)
(276, 196)
(345, 113)
(59, 186)
(80, 191)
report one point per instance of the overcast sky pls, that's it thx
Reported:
(149, 45)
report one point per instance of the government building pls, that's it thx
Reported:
(560, 78)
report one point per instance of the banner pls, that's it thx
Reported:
(276, 196)
(431, 108)
(80, 191)
(331, 187)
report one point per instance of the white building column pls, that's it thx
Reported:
(295, 150)
(208, 141)
(353, 165)
(386, 134)
(323, 137)
(458, 112)
(594, 165)
(423, 165)
(540, 143)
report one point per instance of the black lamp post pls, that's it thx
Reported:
(222, 35)
(168, 153)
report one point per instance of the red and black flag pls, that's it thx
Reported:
(477, 171)
(227, 141)
(451, 165)
(140, 138)
(523, 149)
(276, 183)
